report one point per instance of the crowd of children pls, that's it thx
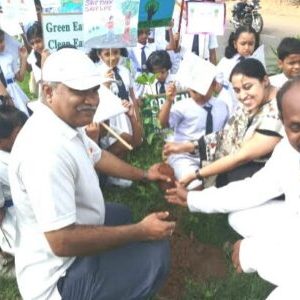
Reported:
(227, 131)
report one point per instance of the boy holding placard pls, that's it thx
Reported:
(192, 117)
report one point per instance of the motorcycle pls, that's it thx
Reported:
(246, 14)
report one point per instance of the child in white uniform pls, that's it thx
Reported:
(11, 121)
(13, 72)
(189, 119)
(241, 44)
(288, 52)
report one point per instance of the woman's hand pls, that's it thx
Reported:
(177, 195)
(171, 148)
(186, 179)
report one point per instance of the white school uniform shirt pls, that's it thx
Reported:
(134, 54)
(278, 80)
(9, 223)
(188, 119)
(10, 67)
(281, 174)
(54, 185)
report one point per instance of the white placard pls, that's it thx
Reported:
(110, 105)
(205, 17)
(19, 11)
(196, 73)
(62, 29)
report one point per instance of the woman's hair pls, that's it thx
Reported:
(93, 54)
(10, 118)
(34, 31)
(282, 91)
(160, 59)
(249, 67)
(230, 50)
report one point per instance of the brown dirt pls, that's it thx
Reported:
(191, 259)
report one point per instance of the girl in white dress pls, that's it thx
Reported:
(12, 71)
(241, 44)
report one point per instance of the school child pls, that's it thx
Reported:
(11, 121)
(288, 52)
(13, 72)
(38, 54)
(139, 54)
(118, 79)
(241, 44)
(191, 118)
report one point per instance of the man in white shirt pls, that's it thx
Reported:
(271, 228)
(69, 243)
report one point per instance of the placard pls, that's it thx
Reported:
(62, 6)
(110, 23)
(205, 17)
(155, 13)
(61, 30)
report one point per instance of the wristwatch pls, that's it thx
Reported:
(198, 176)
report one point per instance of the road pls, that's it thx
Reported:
(279, 22)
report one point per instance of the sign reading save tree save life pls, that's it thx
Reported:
(62, 30)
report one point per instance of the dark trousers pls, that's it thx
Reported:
(134, 271)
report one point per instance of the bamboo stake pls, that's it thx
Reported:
(118, 137)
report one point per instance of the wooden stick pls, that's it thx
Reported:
(117, 136)
(5, 237)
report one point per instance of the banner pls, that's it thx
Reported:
(155, 13)
(62, 29)
(205, 17)
(110, 23)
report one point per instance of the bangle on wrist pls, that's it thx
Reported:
(198, 175)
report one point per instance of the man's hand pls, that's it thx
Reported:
(2, 215)
(177, 195)
(154, 226)
(153, 174)
(235, 257)
(171, 91)
(93, 131)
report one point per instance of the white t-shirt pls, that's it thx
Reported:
(278, 80)
(54, 185)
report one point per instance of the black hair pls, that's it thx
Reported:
(66, 46)
(140, 30)
(159, 58)
(230, 50)
(282, 91)
(34, 31)
(10, 118)
(250, 67)
(288, 46)
(93, 54)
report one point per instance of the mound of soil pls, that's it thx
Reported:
(191, 259)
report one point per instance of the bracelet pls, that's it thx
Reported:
(198, 176)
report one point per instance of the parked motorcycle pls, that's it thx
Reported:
(246, 14)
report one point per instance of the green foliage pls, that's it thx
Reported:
(130, 6)
(9, 289)
(151, 7)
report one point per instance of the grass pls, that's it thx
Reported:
(211, 229)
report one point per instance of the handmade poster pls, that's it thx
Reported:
(205, 17)
(109, 105)
(196, 73)
(18, 11)
(155, 13)
(61, 30)
(62, 6)
(110, 23)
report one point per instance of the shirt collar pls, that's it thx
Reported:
(48, 116)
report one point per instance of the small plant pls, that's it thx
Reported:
(151, 7)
